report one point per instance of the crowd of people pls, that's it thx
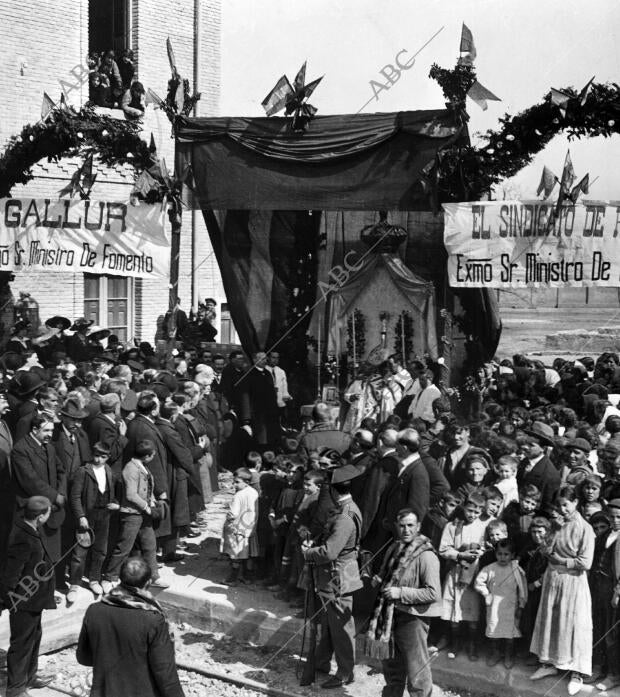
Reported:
(485, 521)
(113, 82)
(512, 485)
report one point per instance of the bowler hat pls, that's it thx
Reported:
(81, 323)
(345, 474)
(579, 444)
(27, 383)
(541, 431)
(72, 410)
(36, 505)
(58, 322)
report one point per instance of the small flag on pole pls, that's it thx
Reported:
(583, 95)
(467, 49)
(560, 99)
(548, 181)
(277, 98)
(568, 175)
(479, 94)
(172, 60)
(582, 186)
(47, 106)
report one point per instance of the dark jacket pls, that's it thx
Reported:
(102, 430)
(259, 405)
(64, 449)
(181, 464)
(410, 490)
(380, 479)
(130, 651)
(27, 561)
(438, 482)
(84, 490)
(231, 386)
(543, 475)
(37, 471)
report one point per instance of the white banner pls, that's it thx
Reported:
(516, 244)
(100, 237)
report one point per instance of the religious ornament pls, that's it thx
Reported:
(356, 339)
(380, 353)
(403, 335)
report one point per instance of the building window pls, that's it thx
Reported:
(228, 335)
(108, 301)
(108, 25)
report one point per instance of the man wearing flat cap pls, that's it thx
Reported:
(536, 468)
(335, 573)
(578, 466)
(26, 589)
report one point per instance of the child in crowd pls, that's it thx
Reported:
(492, 502)
(239, 535)
(461, 545)
(589, 494)
(518, 515)
(438, 517)
(280, 518)
(562, 637)
(253, 462)
(503, 587)
(496, 531)
(533, 561)
(602, 579)
(92, 500)
(506, 471)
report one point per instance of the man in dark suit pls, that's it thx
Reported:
(37, 471)
(536, 468)
(106, 428)
(412, 486)
(259, 402)
(361, 454)
(6, 495)
(232, 376)
(26, 589)
(181, 465)
(381, 478)
(126, 639)
(73, 450)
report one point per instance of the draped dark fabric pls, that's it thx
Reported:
(345, 162)
(267, 258)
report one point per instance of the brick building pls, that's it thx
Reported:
(45, 46)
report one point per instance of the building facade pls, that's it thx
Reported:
(45, 48)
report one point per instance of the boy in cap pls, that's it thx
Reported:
(26, 589)
(336, 576)
(92, 500)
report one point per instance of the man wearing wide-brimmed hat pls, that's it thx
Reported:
(335, 574)
(536, 468)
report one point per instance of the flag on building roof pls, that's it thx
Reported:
(276, 99)
(480, 94)
(467, 48)
(548, 181)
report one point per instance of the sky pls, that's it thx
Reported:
(524, 48)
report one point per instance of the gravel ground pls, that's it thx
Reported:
(271, 665)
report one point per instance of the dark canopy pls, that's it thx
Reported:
(344, 162)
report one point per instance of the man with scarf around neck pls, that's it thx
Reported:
(126, 639)
(335, 574)
(409, 595)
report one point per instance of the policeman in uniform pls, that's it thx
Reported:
(335, 572)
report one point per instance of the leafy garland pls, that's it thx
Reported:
(464, 172)
(404, 321)
(360, 340)
(67, 133)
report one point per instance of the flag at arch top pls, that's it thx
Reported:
(467, 48)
